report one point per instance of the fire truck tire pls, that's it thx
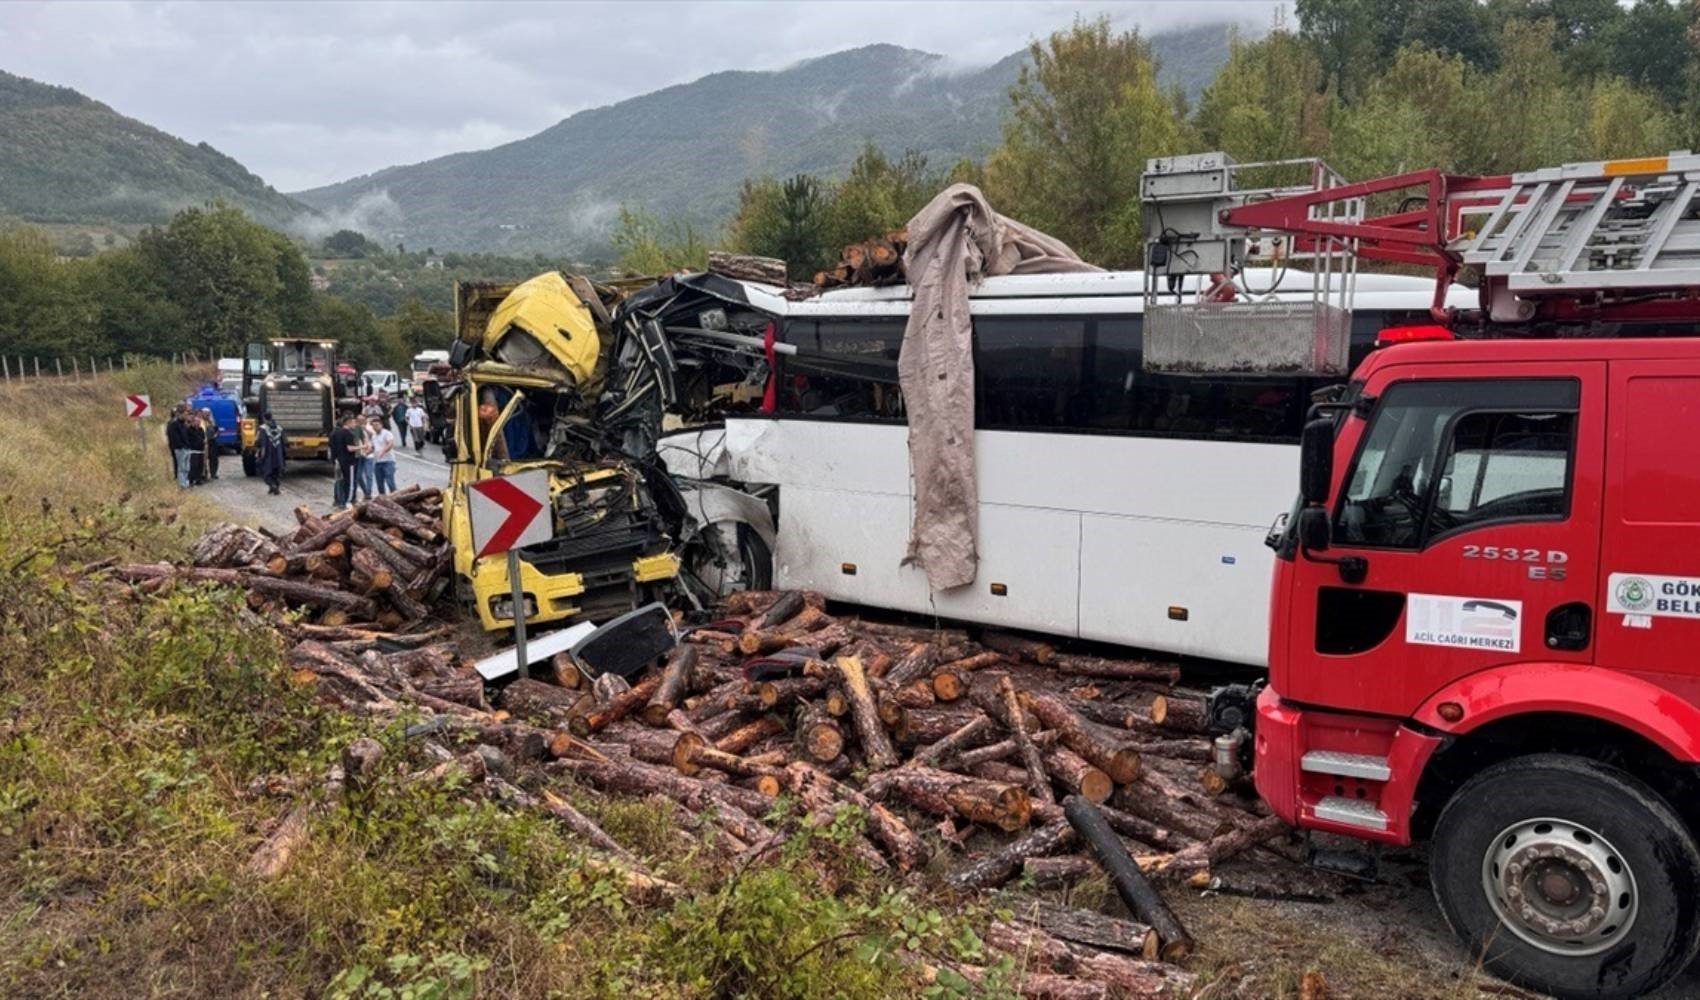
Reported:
(1569, 876)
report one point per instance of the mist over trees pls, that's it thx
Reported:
(1371, 86)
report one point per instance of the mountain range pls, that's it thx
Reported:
(65, 157)
(679, 152)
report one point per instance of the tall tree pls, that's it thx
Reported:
(1085, 114)
(645, 245)
(1269, 101)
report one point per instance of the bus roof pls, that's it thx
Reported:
(1098, 291)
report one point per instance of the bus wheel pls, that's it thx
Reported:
(728, 557)
(1569, 877)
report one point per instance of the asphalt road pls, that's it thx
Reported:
(309, 483)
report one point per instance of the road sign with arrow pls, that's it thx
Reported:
(136, 404)
(507, 513)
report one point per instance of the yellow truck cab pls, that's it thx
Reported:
(531, 358)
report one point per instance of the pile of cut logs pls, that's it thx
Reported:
(376, 567)
(878, 261)
(970, 761)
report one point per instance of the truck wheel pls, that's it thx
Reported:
(250, 468)
(1569, 876)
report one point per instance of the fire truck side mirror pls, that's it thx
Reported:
(1313, 529)
(1316, 460)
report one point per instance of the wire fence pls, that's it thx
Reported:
(23, 368)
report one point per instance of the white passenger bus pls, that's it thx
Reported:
(1115, 504)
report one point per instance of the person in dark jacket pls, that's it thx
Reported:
(210, 427)
(269, 462)
(345, 452)
(175, 443)
(195, 448)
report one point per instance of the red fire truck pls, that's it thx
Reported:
(1486, 603)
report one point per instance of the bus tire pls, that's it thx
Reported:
(1569, 877)
(757, 556)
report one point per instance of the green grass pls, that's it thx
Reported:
(149, 742)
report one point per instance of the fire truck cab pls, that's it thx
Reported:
(1485, 621)
(1486, 632)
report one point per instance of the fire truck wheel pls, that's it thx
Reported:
(1571, 877)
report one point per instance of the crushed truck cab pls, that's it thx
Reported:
(531, 361)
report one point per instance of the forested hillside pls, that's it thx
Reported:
(1371, 87)
(67, 158)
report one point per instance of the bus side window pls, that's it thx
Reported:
(1030, 372)
(845, 368)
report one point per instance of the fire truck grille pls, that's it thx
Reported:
(301, 410)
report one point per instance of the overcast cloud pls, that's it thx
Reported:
(310, 93)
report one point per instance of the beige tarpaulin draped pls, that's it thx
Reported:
(954, 241)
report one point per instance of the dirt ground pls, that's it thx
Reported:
(1384, 939)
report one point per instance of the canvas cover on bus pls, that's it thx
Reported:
(953, 242)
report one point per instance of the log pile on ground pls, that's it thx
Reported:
(372, 571)
(970, 762)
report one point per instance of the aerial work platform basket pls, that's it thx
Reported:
(1562, 249)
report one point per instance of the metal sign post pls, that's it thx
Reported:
(519, 613)
(508, 513)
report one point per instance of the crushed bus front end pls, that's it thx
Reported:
(531, 364)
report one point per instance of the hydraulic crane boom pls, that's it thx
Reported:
(1613, 240)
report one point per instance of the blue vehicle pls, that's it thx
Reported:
(227, 413)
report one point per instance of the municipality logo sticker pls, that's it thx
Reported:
(1634, 593)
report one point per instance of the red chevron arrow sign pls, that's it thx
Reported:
(136, 405)
(509, 512)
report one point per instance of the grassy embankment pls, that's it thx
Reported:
(135, 732)
(147, 745)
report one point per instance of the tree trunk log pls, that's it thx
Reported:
(749, 734)
(1007, 806)
(1179, 712)
(1089, 927)
(1002, 864)
(1127, 670)
(876, 745)
(617, 708)
(819, 736)
(675, 679)
(1031, 650)
(1038, 782)
(1120, 763)
(1073, 772)
(1142, 898)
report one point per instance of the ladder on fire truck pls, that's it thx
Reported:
(1612, 240)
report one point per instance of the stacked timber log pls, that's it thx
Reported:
(877, 261)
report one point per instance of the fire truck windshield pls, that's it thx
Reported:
(1502, 449)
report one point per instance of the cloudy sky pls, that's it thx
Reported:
(309, 93)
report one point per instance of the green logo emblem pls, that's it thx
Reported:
(1634, 593)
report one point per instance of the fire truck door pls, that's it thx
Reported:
(1650, 566)
(1471, 499)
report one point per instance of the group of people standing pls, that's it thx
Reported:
(192, 438)
(364, 447)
